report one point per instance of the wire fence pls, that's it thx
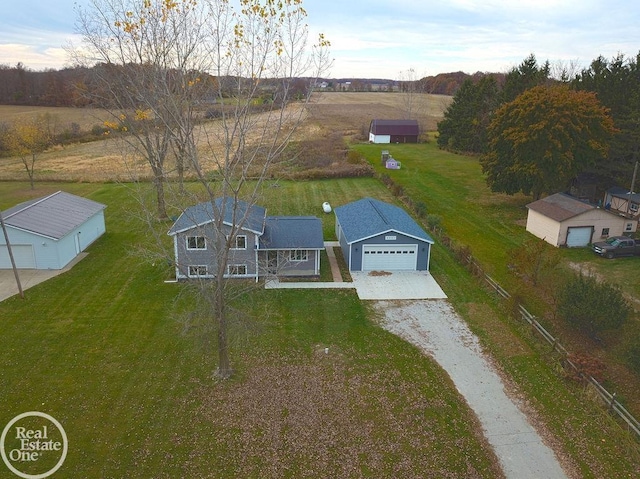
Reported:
(609, 399)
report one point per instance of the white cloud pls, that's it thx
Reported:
(380, 38)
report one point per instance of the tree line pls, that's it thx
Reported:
(537, 130)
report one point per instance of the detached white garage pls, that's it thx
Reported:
(377, 236)
(563, 220)
(49, 232)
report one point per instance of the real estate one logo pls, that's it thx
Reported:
(33, 445)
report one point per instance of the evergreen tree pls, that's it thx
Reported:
(617, 85)
(465, 122)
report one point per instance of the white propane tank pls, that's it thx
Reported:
(326, 207)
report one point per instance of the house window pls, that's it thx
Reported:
(629, 227)
(237, 269)
(240, 242)
(197, 271)
(196, 242)
(299, 255)
(605, 232)
(634, 207)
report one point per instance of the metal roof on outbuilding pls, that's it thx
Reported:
(369, 217)
(395, 127)
(52, 216)
(204, 213)
(560, 207)
(289, 232)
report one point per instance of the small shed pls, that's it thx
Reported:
(562, 220)
(49, 232)
(375, 235)
(392, 164)
(394, 131)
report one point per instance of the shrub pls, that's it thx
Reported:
(632, 355)
(585, 365)
(591, 306)
(434, 222)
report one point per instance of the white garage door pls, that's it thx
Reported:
(579, 236)
(22, 254)
(390, 258)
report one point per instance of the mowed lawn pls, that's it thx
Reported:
(101, 348)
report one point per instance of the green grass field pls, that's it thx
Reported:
(103, 350)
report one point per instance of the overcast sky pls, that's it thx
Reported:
(383, 38)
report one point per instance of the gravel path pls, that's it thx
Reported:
(436, 328)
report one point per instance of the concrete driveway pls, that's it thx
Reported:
(29, 278)
(386, 285)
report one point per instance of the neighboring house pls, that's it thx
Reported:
(49, 232)
(264, 245)
(375, 235)
(562, 220)
(394, 131)
(621, 200)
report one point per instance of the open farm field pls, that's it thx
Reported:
(112, 159)
(86, 118)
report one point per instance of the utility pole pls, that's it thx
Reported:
(13, 261)
(633, 185)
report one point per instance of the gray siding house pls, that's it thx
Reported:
(261, 245)
(49, 232)
(374, 235)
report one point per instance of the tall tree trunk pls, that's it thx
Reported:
(158, 181)
(224, 364)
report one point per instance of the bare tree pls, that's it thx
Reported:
(409, 87)
(242, 63)
(149, 57)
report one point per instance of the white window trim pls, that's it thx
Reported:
(196, 249)
(206, 270)
(236, 243)
(303, 252)
(229, 266)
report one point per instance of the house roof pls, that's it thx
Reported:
(394, 127)
(623, 193)
(560, 207)
(52, 216)
(369, 217)
(287, 232)
(204, 213)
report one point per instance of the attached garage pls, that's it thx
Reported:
(49, 232)
(377, 236)
(562, 220)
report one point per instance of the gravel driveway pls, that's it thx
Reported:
(435, 328)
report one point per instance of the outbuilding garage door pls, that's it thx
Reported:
(22, 254)
(390, 258)
(577, 237)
